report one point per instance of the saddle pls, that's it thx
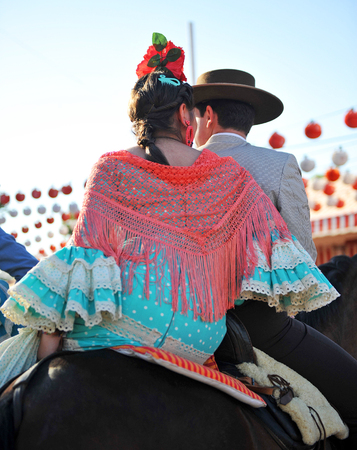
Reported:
(237, 348)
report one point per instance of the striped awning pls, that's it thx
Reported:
(346, 223)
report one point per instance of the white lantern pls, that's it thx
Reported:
(27, 243)
(50, 234)
(331, 200)
(64, 230)
(339, 157)
(349, 178)
(312, 204)
(56, 208)
(41, 209)
(13, 213)
(307, 165)
(27, 211)
(2, 220)
(73, 208)
(38, 238)
(318, 184)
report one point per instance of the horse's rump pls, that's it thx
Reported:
(105, 400)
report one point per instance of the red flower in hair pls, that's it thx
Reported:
(163, 53)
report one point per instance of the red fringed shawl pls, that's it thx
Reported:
(201, 220)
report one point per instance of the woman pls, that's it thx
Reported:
(166, 237)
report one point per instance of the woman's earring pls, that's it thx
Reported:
(189, 134)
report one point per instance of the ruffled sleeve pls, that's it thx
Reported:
(74, 280)
(291, 282)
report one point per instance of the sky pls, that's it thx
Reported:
(67, 68)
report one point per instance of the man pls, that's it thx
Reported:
(227, 105)
(16, 261)
(14, 258)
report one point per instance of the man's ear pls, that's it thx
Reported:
(211, 117)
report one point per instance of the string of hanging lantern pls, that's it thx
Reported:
(40, 221)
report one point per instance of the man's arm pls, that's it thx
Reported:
(14, 258)
(293, 205)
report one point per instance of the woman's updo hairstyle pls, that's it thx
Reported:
(152, 106)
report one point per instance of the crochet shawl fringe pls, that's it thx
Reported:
(206, 270)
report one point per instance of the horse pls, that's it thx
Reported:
(338, 320)
(101, 399)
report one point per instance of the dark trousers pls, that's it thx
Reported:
(325, 364)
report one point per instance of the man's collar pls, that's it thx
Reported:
(226, 139)
(229, 134)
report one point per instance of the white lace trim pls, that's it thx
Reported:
(50, 318)
(129, 328)
(300, 301)
(61, 277)
(185, 351)
(285, 255)
(286, 287)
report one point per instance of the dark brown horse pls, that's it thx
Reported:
(338, 320)
(104, 400)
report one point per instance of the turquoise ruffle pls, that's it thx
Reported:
(292, 282)
(73, 281)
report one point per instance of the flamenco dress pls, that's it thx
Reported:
(100, 301)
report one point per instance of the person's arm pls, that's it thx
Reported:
(293, 205)
(49, 344)
(14, 258)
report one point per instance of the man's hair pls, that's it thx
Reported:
(231, 113)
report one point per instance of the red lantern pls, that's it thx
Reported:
(41, 251)
(333, 174)
(36, 193)
(14, 234)
(4, 199)
(329, 189)
(351, 119)
(38, 224)
(276, 140)
(67, 189)
(313, 130)
(63, 244)
(304, 180)
(354, 185)
(25, 229)
(50, 219)
(340, 203)
(76, 214)
(53, 248)
(20, 197)
(317, 207)
(65, 217)
(53, 193)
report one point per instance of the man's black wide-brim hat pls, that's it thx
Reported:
(230, 84)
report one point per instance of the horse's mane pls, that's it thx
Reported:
(341, 271)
